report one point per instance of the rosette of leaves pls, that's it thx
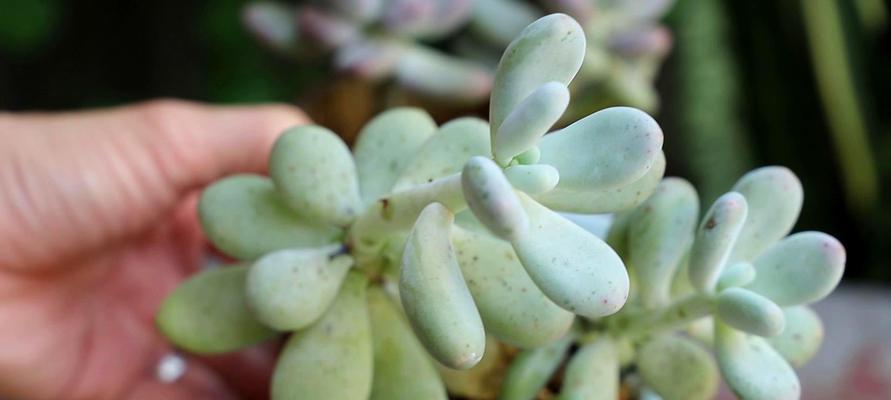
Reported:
(448, 49)
(399, 267)
(736, 281)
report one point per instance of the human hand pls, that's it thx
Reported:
(97, 225)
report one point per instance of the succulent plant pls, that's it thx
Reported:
(408, 267)
(448, 49)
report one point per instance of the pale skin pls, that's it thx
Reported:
(97, 225)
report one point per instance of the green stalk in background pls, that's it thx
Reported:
(872, 13)
(712, 134)
(835, 81)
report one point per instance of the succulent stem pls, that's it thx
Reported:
(681, 312)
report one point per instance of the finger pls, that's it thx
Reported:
(72, 184)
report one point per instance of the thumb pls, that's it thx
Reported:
(72, 184)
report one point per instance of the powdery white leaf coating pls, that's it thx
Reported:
(289, 289)
(402, 368)
(678, 368)
(534, 178)
(735, 275)
(531, 370)
(606, 200)
(659, 234)
(605, 150)
(551, 49)
(384, 146)
(208, 313)
(332, 359)
(801, 338)
(446, 152)
(529, 121)
(574, 268)
(774, 196)
(512, 308)
(245, 217)
(749, 312)
(492, 199)
(752, 368)
(593, 372)
(314, 171)
(801, 269)
(435, 296)
(715, 239)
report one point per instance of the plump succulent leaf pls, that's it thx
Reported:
(752, 368)
(356, 10)
(446, 152)
(492, 200)
(802, 336)
(529, 121)
(659, 233)
(500, 21)
(801, 269)
(606, 200)
(715, 239)
(427, 19)
(314, 171)
(434, 295)
(483, 380)
(332, 359)
(402, 369)
(532, 179)
(245, 217)
(436, 75)
(531, 156)
(749, 312)
(574, 268)
(383, 146)
(592, 373)
(556, 38)
(774, 196)
(512, 308)
(208, 313)
(530, 371)
(738, 274)
(290, 289)
(678, 368)
(608, 149)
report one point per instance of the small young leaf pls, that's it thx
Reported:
(574, 268)
(606, 200)
(315, 173)
(446, 152)
(753, 369)
(529, 121)
(714, 240)
(556, 38)
(434, 295)
(774, 196)
(492, 199)
(208, 313)
(592, 373)
(383, 145)
(332, 359)
(531, 370)
(532, 179)
(605, 150)
(245, 217)
(802, 336)
(290, 289)
(659, 233)
(513, 309)
(402, 369)
(801, 269)
(749, 312)
(735, 275)
(678, 369)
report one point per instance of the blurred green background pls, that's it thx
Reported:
(802, 83)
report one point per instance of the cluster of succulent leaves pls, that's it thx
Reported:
(448, 49)
(407, 268)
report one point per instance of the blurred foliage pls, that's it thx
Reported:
(749, 83)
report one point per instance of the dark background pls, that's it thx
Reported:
(742, 88)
